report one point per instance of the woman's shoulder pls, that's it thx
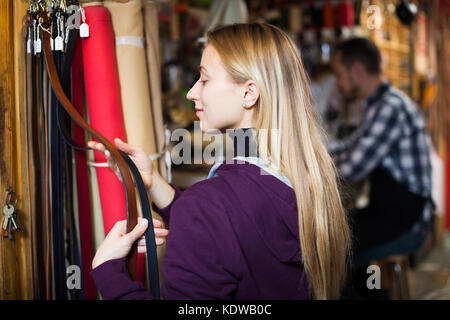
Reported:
(221, 188)
(220, 175)
(213, 189)
(241, 181)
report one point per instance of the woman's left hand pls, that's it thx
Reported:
(118, 243)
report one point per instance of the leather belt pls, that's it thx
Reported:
(121, 163)
(152, 259)
(35, 163)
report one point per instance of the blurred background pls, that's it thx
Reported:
(413, 37)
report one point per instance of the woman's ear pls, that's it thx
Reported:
(251, 94)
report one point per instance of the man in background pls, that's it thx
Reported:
(391, 148)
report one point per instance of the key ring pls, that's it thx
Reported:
(10, 194)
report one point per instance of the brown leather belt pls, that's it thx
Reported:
(121, 163)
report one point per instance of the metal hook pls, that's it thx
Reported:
(42, 27)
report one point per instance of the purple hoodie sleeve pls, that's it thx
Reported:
(165, 212)
(113, 281)
(196, 261)
(112, 278)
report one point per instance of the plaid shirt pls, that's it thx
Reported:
(393, 136)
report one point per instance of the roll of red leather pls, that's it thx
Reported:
(104, 105)
(84, 207)
(346, 14)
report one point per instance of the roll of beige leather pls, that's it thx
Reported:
(154, 72)
(151, 31)
(98, 232)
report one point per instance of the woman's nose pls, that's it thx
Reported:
(193, 93)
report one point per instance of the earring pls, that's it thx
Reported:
(244, 104)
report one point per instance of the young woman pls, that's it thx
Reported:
(269, 227)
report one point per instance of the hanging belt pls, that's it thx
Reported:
(152, 259)
(125, 165)
(37, 208)
(124, 171)
(57, 194)
(64, 121)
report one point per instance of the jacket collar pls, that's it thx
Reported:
(378, 93)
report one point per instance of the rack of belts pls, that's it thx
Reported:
(52, 119)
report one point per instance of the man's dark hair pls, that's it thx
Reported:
(360, 49)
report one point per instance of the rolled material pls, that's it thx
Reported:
(154, 74)
(96, 207)
(151, 30)
(104, 106)
(295, 18)
(346, 14)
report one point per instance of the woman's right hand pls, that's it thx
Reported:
(140, 159)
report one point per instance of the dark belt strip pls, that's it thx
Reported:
(39, 288)
(46, 229)
(57, 200)
(60, 187)
(123, 168)
(33, 121)
(75, 252)
(43, 234)
(66, 136)
(152, 258)
(47, 189)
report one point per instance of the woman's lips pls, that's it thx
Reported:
(198, 111)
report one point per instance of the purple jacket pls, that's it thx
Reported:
(233, 236)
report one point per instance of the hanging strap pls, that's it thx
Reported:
(34, 161)
(152, 259)
(121, 163)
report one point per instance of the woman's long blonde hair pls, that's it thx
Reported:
(266, 54)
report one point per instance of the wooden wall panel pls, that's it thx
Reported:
(15, 255)
(9, 259)
(23, 180)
